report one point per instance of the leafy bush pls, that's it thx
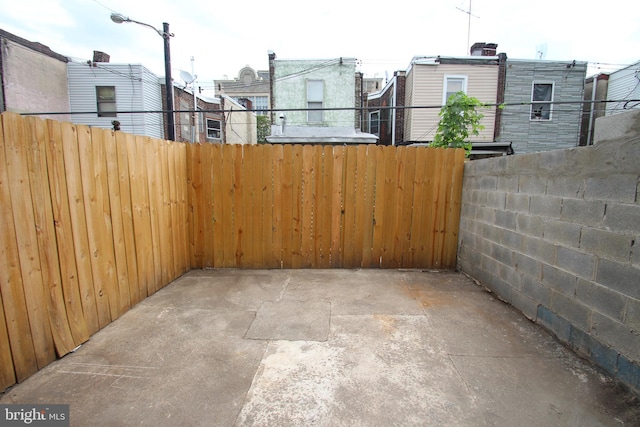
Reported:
(458, 119)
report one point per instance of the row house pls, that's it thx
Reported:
(126, 97)
(533, 116)
(316, 101)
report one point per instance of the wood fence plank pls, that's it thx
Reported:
(438, 208)
(368, 220)
(166, 223)
(17, 151)
(158, 233)
(182, 180)
(64, 234)
(278, 185)
(46, 237)
(172, 154)
(11, 283)
(267, 207)
(418, 206)
(197, 207)
(361, 222)
(350, 203)
(406, 206)
(103, 275)
(337, 212)
(258, 206)
(238, 197)
(425, 249)
(454, 195)
(114, 207)
(378, 207)
(306, 220)
(7, 372)
(322, 217)
(123, 142)
(296, 240)
(287, 207)
(207, 205)
(248, 208)
(228, 195)
(142, 215)
(218, 206)
(390, 207)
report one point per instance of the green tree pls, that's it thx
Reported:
(459, 118)
(264, 128)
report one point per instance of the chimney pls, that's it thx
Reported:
(484, 49)
(100, 56)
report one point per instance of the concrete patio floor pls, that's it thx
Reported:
(326, 348)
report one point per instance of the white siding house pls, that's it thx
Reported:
(624, 84)
(101, 92)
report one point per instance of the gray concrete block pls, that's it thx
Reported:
(508, 184)
(488, 183)
(629, 373)
(526, 264)
(587, 345)
(505, 219)
(491, 233)
(565, 233)
(495, 199)
(631, 316)
(548, 206)
(534, 288)
(579, 263)
(618, 187)
(479, 197)
(558, 279)
(527, 305)
(531, 225)
(468, 211)
(501, 288)
(510, 275)
(539, 249)
(511, 239)
(558, 325)
(485, 214)
(583, 211)
(532, 184)
(501, 253)
(605, 244)
(601, 299)
(617, 335)
(565, 186)
(568, 307)
(517, 202)
(623, 218)
(623, 278)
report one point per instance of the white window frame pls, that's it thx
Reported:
(533, 103)
(219, 129)
(314, 101)
(445, 84)
(377, 120)
(103, 104)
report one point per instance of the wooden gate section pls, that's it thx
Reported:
(295, 206)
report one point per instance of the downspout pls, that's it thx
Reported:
(3, 105)
(594, 85)
(393, 110)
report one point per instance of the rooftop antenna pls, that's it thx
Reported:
(541, 51)
(468, 12)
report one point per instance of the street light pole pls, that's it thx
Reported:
(166, 36)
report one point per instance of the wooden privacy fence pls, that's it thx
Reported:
(93, 221)
(275, 206)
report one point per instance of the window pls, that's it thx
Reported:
(453, 84)
(213, 129)
(374, 123)
(541, 99)
(106, 97)
(315, 97)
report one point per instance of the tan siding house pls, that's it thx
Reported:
(431, 80)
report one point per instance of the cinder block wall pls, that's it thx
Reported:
(557, 235)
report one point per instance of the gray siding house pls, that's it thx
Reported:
(542, 122)
(624, 85)
(101, 92)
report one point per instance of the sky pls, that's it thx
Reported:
(223, 37)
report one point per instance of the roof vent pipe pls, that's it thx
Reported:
(283, 123)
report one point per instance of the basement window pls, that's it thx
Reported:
(106, 101)
(541, 100)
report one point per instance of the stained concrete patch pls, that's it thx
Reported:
(292, 321)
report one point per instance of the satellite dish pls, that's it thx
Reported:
(187, 78)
